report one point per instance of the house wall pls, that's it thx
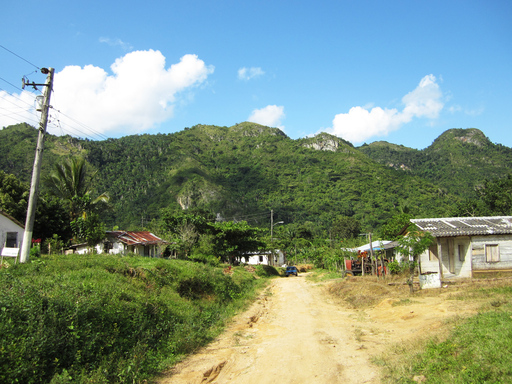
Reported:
(256, 259)
(82, 249)
(7, 225)
(455, 257)
(504, 243)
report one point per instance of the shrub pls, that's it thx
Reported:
(109, 319)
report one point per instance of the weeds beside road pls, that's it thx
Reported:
(461, 333)
(110, 319)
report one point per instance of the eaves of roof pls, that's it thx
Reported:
(465, 226)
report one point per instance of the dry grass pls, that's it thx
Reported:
(366, 292)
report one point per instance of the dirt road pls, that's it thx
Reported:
(296, 333)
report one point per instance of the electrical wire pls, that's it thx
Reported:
(82, 125)
(18, 56)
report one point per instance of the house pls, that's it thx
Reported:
(466, 246)
(11, 233)
(385, 246)
(262, 257)
(142, 243)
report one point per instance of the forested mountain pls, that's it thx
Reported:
(459, 160)
(244, 171)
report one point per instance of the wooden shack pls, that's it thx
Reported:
(467, 246)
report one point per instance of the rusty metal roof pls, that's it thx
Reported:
(466, 226)
(132, 238)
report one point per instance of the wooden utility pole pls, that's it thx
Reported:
(271, 259)
(36, 171)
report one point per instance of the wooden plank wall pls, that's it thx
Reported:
(478, 252)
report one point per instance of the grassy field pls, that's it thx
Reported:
(466, 349)
(110, 319)
(478, 349)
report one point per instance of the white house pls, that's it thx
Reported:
(256, 258)
(465, 246)
(142, 243)
(11, 232)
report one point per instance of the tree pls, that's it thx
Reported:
(50, 212)
(72, 182)
(493, 198)
(392, 228)
(496, 195)
(345, 227)
(13, 196)
(88, 229)
(234, 239)
(413, 244)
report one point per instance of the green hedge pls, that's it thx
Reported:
(109, 319)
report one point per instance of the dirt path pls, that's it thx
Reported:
(295, 333)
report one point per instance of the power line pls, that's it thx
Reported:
(94, 132)
(11, 84)
(18, 56)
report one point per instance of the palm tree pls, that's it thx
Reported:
(71, 181)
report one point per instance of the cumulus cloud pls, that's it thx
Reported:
(16, 108)
(140, 92)
(249, 73)
(361, 123)
(270, 116)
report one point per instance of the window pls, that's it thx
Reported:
(492, 253)
(12, 240)
(460, 250)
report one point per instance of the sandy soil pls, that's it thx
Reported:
(296, 332)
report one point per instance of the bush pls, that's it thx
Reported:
(109, 319)
(399, 268)
(263, 270)
(35, 252)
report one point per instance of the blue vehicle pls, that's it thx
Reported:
(291, 271)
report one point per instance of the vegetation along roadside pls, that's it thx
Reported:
(110, 319)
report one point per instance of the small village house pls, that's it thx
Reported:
(141, 243)
(11, 234)
(467, 246)
(264, 257)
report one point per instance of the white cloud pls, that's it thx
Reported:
(17, 108)
(116, 42)
(140, 92)
(361, 123)
(270, 116)
(470, 112)
(249, 73)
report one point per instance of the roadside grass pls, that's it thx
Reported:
(111, 319)
(477, 349)
(317, 275)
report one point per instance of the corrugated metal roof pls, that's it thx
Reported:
(465, 226)
(376, 245)
(132, 238)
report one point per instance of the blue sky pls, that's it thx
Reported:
(400, 71)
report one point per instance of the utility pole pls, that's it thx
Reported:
(271, 258)
(36, 171)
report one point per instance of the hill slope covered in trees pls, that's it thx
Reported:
(244, 171)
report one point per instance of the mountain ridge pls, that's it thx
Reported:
(246, 170)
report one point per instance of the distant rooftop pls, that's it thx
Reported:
(132, 237)
(466, 226)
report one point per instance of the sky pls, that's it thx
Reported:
(365, 71)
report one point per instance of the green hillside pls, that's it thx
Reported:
(458, 161)
(244, 171)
